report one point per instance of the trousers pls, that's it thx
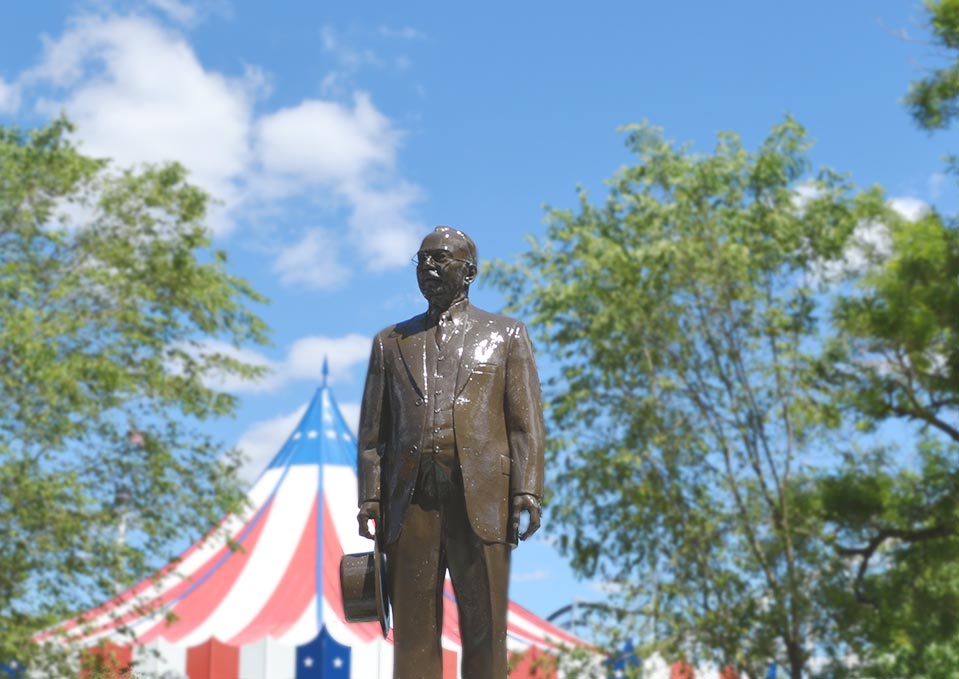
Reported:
(434, 540)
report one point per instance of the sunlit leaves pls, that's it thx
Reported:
(107, 279)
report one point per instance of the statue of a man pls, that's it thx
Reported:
(451, 444)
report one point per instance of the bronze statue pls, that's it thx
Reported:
(451, 443)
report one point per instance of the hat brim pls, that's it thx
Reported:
(381, 588)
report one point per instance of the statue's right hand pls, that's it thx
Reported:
(369, 510)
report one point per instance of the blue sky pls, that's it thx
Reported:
(337, 134)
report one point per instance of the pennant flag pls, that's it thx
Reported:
(771, 672)
(626, 659)
(309, 659)
(12, 670)
(323, 658)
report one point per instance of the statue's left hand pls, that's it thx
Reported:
(530, 504)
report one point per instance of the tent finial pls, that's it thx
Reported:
(326, 371)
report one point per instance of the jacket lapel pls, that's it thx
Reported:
(468, 359)
(412, 345)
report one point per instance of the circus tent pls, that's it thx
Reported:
(258, 598)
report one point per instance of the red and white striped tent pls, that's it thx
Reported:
(272, 609)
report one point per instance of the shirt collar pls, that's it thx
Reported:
(458, 310)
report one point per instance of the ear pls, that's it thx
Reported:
(471, 274)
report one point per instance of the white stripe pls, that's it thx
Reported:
(339, 489)
(159, 657)
(203, 553)
(340, 630)
(266, 564)
(372, 661)
(522, 627)
(267, 659)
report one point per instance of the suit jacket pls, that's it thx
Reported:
(497, 420)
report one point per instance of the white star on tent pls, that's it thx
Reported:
(297, 435)
(307, 661)
(312, 434)
(337, 662)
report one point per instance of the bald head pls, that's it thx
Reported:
(454, 241)
(447, 265)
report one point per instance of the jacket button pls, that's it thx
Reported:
(418, 402)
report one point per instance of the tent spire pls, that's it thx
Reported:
(326, 370)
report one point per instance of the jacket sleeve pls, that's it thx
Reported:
(373, 428)
(524, 417)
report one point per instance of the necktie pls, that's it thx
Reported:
(444, 329)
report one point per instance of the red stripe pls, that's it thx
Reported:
(332, 553)
(213, 660)
(133, 592)
(145, 609)
(200, 603)
(293, 595)
(545, 628)
(450, 664)
(106, 661)
(451, 615)
(532, 664)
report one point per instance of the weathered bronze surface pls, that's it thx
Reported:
(451, 443)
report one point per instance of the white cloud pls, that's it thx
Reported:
(936, 181)
(351, 413)
(404, 33)
(9, 97)
(350, 152)
(608, 587)
(180, 12)
(303, 361)
(326, 142)
(349, 57)
(869, 245)
(382, 223)
(138, 94)
(262, 440)
(910, 208)
(532, 576)
(804, 193)
(313, 262)
(234, 383)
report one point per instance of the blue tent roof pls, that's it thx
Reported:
(322, 437)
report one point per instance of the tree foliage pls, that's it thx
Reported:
(894, 363)
(934, 100)
(108, 290)
(685, 316)
(893, 366)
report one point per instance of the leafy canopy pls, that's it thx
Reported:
(108, 290)
(685, 315)
(933, 100)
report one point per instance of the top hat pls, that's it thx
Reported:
(363, 579)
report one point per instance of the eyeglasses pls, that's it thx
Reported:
(437, 257)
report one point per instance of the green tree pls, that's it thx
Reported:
(103, 377)
(933, 99)
(894, 364)
(895, 359)
(685, 316)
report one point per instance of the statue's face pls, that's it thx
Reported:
(444, 270)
